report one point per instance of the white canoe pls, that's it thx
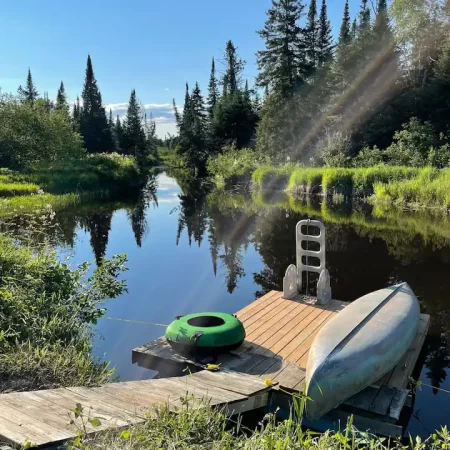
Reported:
(360, 345)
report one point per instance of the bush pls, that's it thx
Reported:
(338, 181)
(45, 310)
(439, 157)
(368, 157)
(235, 165)
(30, 135)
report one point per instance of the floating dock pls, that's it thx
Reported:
(279, 335)
(43, 417)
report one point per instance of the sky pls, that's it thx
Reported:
(153, 46)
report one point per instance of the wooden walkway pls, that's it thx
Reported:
(279, 335)
(43, 417)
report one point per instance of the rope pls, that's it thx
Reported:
(138, 321)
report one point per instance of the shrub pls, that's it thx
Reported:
(439, 157)
(338, 181)
(30, 135)
(368, 157)
(234, 165)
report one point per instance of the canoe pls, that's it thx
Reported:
(360, 345)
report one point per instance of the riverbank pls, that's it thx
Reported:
(395, 185)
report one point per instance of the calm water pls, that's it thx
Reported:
(193, 250)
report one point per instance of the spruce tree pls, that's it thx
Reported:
(354, 30)
(381, 28)
(282, 63)
(234, 66)
(364, 16)
(76, 115)
(61, 99)
(93, 123)
(30, 92)
(150, 135)
(134, 136)
(213, 92)
(311, 36)
(119, 135)
(325, 42)
(345, 32)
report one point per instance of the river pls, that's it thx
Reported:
(190, 249)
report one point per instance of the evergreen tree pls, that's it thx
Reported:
(30, 92)
(364, 16)
(213, 92)
(198, 106)
(119, 134)
(110, 120)
(325, 41)
(282, 63)
(134, 142)
(48, 104)
(354, 30)
(93, 123)
(382, 29)
(234, 66)
(61, 99)
(76, 115)
(311, 36)
(150, 135)
(345, 32)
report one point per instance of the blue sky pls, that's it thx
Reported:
(154, 46)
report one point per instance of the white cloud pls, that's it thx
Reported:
(166, 89)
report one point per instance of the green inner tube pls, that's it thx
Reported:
(205, 333)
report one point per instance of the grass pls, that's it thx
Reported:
(269, 177)
(200, 427)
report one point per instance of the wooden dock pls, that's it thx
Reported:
(279, 335)
(43, 417)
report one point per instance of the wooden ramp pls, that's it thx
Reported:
(279, 335)
(43, 417)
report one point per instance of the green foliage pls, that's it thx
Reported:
(412, 144)
(269, 177)
(368, 157)
(233, 165)
(61, 99)
(32, 136)
(30, 92)
(439, 157)
(305, 179)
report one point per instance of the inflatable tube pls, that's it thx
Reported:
(205, 333)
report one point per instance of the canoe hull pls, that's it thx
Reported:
(360, 345)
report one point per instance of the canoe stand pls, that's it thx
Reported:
(281, 327)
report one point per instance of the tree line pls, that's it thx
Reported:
(380, 91)
(135, 135)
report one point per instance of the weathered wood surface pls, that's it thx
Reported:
(43, 417)
(279, 335)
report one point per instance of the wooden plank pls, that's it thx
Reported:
(279, 303)
(254, 306)
(282, 338)
(269, 328)
(247, 365)
(290, 376)
(15, 434)
(270, 319)
(383, 400)
(397, 404)
(363, 399)
(267, 366)
(302, 335)
(300, 354)
(231, 381)
(31, 425)
(403, 370)
(67, 400)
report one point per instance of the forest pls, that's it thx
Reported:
(378, 94)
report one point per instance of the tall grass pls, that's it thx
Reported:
(431, 187)
(269, 177)
(305, 180)
(201, 427)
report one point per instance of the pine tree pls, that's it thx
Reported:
(213, 92)
(76, 115)
(93, 123)
(364, 16)
(30, 92)
(381, 28)
(134, 135)
(198, 105)
(311, 36)
(325, 42)
(61, 99)
(119, 134)
(176, 113)
(354, 30)
(282, 63)
(345, 32)
(234, 66)
(150, 135)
